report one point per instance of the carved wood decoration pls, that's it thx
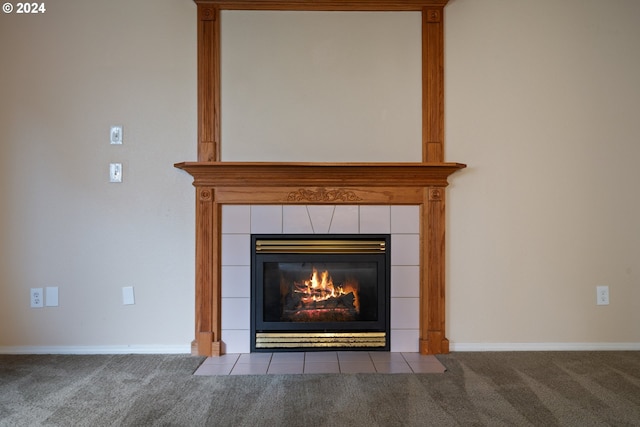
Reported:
(323, 195)
(218, 183)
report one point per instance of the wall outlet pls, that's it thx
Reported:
(37, 297)
(602, 293)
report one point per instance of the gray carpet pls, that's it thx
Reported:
(523, 388)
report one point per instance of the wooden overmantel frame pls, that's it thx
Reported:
(219, 183)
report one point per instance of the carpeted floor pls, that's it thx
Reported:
(516, 388)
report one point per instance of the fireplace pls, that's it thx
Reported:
(219, 183)
(228, 183)
(314, 292)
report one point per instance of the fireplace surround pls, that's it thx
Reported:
(219, 183)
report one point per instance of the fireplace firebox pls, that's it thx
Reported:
(318, 292)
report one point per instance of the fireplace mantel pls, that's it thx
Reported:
(274, 174)
(220, 183)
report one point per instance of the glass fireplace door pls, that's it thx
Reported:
(320, 291)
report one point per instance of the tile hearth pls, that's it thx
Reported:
(325, 362)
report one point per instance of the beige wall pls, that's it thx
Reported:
(541, 102)
(67, 76)
(321, 86)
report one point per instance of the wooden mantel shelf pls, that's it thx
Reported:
(282, 174)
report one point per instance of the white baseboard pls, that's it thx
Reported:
(546, 346)
(186, 349)
(100, 349)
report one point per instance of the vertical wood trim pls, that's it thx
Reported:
(432, 291)
(208, 83)
(432, 85)
(207, 272)
(216, 280)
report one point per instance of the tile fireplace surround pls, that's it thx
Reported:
(402, 222)
(234, 199)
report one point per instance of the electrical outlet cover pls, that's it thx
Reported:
(602, 295)
(37, 297)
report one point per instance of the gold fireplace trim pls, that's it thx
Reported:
(321, 246)
(320, 339)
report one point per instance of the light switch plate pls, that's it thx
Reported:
(115, 135)
(115, 172)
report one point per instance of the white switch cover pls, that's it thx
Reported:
(127, 295)
(115, 172)
(51, 296)
(115, 135)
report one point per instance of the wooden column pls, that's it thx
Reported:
(432, 84)
(208, 283)
(432, 283)
(208, 83)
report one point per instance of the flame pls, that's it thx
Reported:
(320, 287)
